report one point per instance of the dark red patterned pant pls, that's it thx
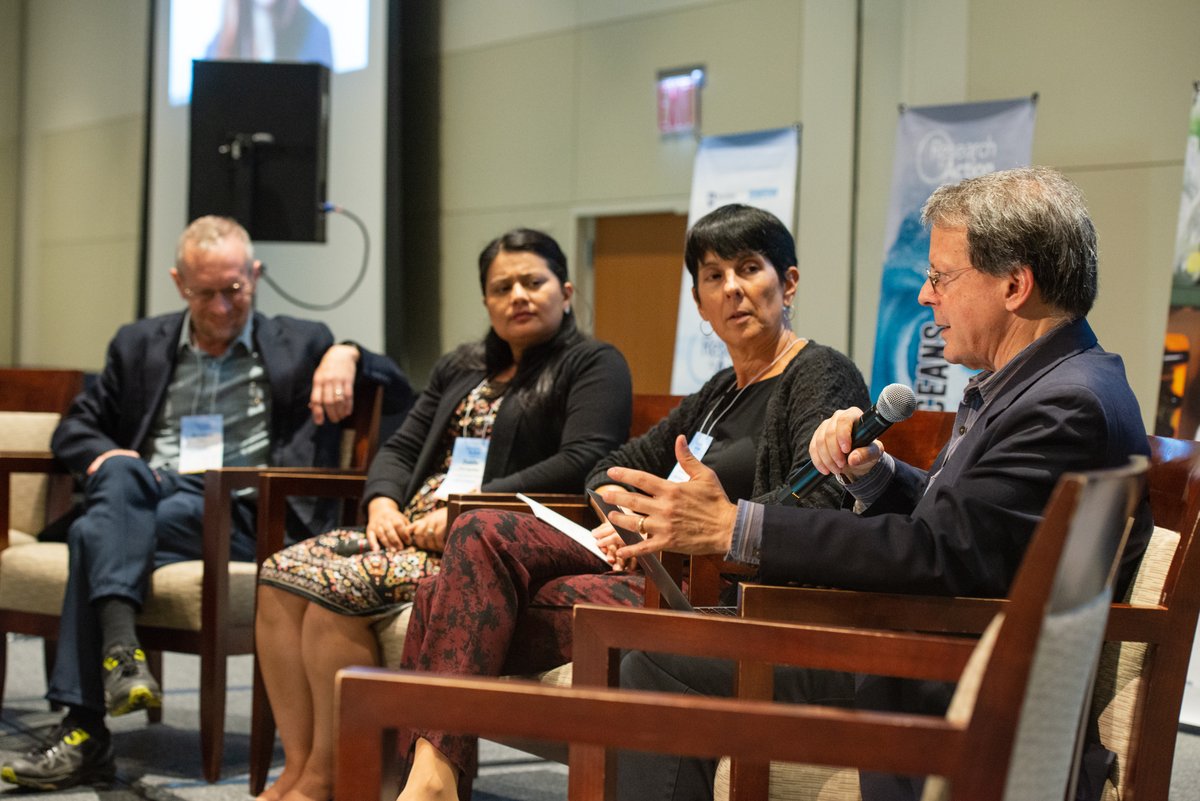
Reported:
(502, 605)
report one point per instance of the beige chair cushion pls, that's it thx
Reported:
(27, 431)
(1119, 678)
(33, 579)
(391, 630)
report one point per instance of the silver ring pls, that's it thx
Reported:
(642, 525)
(337, 393)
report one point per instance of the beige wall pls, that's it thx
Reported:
(81, 168)
(10, 54)
(548, 119)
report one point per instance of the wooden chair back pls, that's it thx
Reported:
(38, 389)
(593, 718)
(40, 498)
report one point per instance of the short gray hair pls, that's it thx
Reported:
(209, 232)
(1032, 215)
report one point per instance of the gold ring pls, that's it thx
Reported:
(642, 525)
(337, 393)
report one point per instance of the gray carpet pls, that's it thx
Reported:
(162, 762)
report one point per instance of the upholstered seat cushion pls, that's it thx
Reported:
(391, 630)
(26, 431)
(33, 579)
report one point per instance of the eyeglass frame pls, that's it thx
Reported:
(231, 293)
(935, 277)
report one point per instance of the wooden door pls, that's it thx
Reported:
(637, 261)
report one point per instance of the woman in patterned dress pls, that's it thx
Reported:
(532, 406)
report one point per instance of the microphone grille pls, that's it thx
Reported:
(896, 402)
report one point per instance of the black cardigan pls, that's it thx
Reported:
(550, 450)
(817, 382)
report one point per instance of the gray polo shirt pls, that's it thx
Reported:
(233, 385)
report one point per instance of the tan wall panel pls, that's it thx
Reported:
(86, 292)
(1114, 77)
(1135, 211)
(621, 154)
(91, 181)
(507, 129)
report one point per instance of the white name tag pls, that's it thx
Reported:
(201, 443)
(466, 467)
(698, 446)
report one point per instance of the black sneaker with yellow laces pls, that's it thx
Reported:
(74, 756)
(128, 685)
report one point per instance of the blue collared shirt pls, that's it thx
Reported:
(233, 385)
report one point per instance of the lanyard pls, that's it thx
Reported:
(749, 383)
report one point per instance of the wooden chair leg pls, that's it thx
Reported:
(212, 714)
(154, 660)
(262, 735)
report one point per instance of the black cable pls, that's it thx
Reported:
(362, 272)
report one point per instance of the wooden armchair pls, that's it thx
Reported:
(1037, 655)
(275, 489)
(1143, 665)
(203, 607)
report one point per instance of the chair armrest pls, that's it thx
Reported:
(830, 607)
(24, 462)
(925, 613)
(276, 486)
(601, 632)
(372, 701)
(573, 507)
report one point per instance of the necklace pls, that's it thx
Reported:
(791, 343)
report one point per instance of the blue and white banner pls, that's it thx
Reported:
(935, 145)
(757, 169)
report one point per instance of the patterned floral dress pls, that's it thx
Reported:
(338, 570)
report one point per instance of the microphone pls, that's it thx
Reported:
(896, 402)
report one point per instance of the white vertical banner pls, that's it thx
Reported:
(935, 145)
(757, 169)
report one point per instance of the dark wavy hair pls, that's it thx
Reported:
(535, 379)
(734, 230)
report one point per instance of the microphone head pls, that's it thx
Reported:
(896, 402)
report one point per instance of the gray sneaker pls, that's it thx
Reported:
(128, 684)
(73, 757)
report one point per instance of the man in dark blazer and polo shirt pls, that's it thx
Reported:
(1012, 275)
(217, 384)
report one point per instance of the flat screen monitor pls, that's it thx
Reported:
(329, 32)
(259, 147)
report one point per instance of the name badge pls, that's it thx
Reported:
(466, 467)
(698, 446)
(201, 443)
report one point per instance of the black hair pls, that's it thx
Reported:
(534, 382)
(524, 240)
(734, 230)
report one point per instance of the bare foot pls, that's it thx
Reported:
(432, 777)
(309, 787)
(277, 789)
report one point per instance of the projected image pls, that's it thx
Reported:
(330, 32)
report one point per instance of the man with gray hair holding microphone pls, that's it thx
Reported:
(1012, 276)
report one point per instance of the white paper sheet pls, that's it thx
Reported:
(569, 527)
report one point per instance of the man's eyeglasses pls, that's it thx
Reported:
(231, 293)
(936, 277)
